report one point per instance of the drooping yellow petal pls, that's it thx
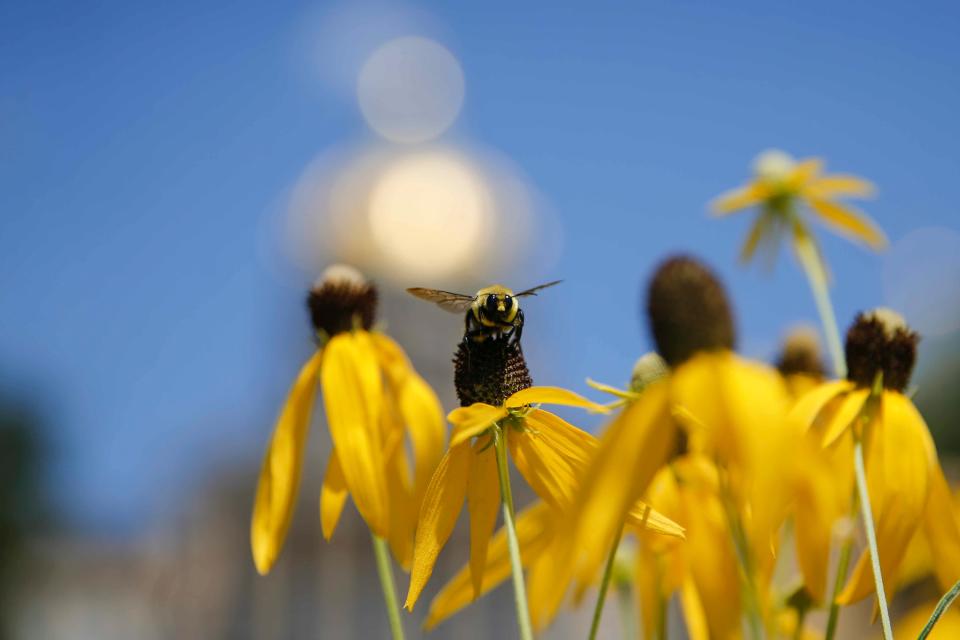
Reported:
(693, 613)
(940, 522)
(631, 450)
(552, 395)
(438, 515)
(897, 478)
(740, 198)
(809, 406)
(565, 453)
(713, 564)
(548, 580)
(472, 421)
(838, 186)
(483, 501)
(850, 222)
(759, 230)
(333, 495)
(663, 495)
(281, 468)
(403, 508)
(742, 406)
(844, 411)
(552, 476)
(534, 528)
(424, 419)
(653, 591)
(823, 493)
(647, 588)
(614, 391)
(420, 409)
(353, 396)
(734, 400)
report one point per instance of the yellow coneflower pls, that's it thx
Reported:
(780, 183)
(501, 414)
(373, 399)
(907, 489)
(713, 403)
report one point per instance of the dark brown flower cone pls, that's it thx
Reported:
(341, 300)
(489, 371)
(880, 341)
(688, 310)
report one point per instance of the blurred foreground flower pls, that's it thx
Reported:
(907, 489)
(373, 400)
(713, 404)
(779, 184)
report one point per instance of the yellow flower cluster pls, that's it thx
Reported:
(736, 483)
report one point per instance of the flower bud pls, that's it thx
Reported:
(649, 368)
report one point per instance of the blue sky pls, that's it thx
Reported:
(145, 149)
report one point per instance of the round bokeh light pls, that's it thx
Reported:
(410, 89)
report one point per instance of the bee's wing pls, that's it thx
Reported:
(446, 300)
(533, 291)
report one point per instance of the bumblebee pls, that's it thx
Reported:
(494, 312)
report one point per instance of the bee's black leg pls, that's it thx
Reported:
(517, 330)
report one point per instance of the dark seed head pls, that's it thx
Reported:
(688, 310)
(800, 353)
(341, 299)
(489, 371)
(880, 340)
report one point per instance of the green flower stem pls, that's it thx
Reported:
(817, 277)
(867, 513)
(942, 606)
(506, 496)
(386, 581)
(604, 586)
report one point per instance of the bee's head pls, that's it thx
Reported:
(497, 304)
